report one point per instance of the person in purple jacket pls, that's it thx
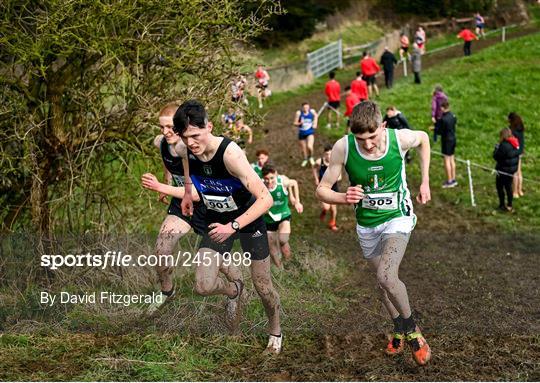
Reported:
(436, 112)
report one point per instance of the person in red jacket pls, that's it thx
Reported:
(467, 36)
(369, 69)
(359, 87)
(350, 102)
(333, 95)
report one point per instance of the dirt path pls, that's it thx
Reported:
(474, 289)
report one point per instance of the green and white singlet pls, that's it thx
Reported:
(280, 209)
(257, 168)
(383, 180)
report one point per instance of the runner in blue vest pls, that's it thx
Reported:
(306, 120)
(236, 199)
(373, 157)
(278, 218)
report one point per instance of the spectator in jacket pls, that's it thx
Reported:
(517, 128)
(436, 112)
(506, 154)
(388, 60)
(447, 131)
(396, 120)
(467, 36)
(360, 87)
(416, 60)
(369, 69)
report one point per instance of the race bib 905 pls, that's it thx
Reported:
(220, 203)
(380, 201)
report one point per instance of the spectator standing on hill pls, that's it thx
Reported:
(436, 112)
(420, 39)
(332, 90)
(506, 154)
(388, 60)
(467, 36)
(396, 120)
(369, 69)
(350, 102)
(416, 60)
(447, 131)
(360, 87)
(517, 128)
(480, 24)
(404, 46)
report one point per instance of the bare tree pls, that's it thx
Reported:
(80, 81)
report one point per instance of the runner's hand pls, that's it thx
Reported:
(163, 198)
(354, 194)
(425, 194)
(187, 203)
(219, 232)
(149, 181)
(299, 207)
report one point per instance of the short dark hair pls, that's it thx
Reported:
(191, 112)
(365, 117)
(328, 147)
(267, 169)
(365, 54)
(445, 104)
(358, 73)
(305, 103)
(332, 74)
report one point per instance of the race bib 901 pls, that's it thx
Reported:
(219, 203)
(380, 201)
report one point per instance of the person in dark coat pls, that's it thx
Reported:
(388, 60)
(506, 154)
(396, 120)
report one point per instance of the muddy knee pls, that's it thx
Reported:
(387, 281)
(204, 286)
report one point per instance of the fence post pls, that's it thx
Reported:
(503, 34)
(405, 65)
(471, 190)
(340, 53)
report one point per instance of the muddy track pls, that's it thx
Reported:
(474, 290)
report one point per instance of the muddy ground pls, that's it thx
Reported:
(473, 288)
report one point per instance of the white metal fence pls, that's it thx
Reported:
(325, 59)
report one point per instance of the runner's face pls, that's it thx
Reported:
(196, 139)
(369, 142)
(390, 113)
(270, 180)
(305, 108)
(262, 159)
(166, 124)
(326, 156)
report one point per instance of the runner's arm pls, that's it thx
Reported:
(296, 121)
(315, 169)
(418, 139)
(167, 176)
(324, 191)
(187, 202)
(150, 182)
(238, 165)
(294, 193)
(250, 134)
(315, 119)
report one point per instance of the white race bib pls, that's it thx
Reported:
(380, 201)
(219, 203)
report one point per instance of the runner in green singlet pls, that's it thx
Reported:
(373, 157)
(278, 218)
